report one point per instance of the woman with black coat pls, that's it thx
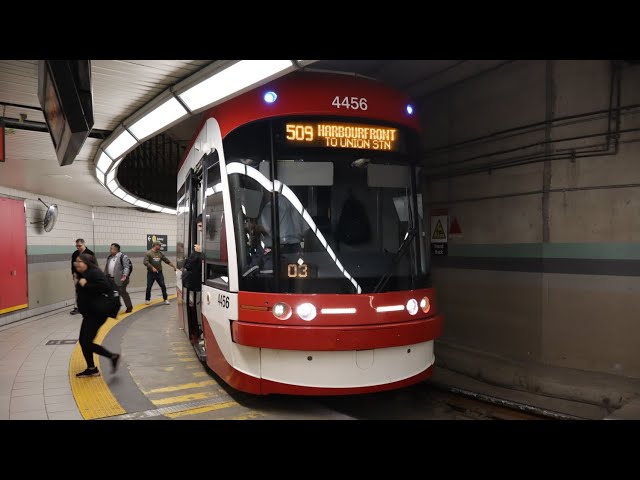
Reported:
(91, 287)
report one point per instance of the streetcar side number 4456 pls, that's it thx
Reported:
(223, 301)
(355, 103)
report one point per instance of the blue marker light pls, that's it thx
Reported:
(409, 109)
(270, 97)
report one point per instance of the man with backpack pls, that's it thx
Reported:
(119, 268)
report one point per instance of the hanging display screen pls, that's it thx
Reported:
(329, 134)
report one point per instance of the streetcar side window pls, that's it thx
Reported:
(215, 243)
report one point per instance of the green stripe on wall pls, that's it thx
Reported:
(609, 251)
(57, 249)
(128, 249)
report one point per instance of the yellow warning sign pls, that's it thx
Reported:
(438, 232)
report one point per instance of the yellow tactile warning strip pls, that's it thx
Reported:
(195, 411)
(92, 395)
(13, 309)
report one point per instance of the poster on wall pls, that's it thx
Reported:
(154, 237)
(439, 229)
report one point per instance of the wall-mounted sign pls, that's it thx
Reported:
(439, 229)
(154, 237)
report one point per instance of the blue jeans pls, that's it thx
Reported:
(155, 277)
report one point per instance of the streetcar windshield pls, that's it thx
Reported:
(341, 205)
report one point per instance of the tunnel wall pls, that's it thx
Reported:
(546, 268)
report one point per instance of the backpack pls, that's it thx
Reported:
(111, 303)
(130, 264)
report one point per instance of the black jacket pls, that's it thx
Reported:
(192, 272)
(89, 295)
(75, 255)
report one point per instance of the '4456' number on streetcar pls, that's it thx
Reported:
(223, 301)
(353, 103)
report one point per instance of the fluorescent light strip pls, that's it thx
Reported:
(155, 208)
(169, 210)
(232, 79)
(120, 145)
(104, 162)
(112, 185)
(117, 164)
(336, 311)
(119, 193)
(111, 176)
(390, 308)
(128, 198)
(156, 119)
(100, 176)
(141, 203)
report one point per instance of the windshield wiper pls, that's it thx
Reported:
(408, 238)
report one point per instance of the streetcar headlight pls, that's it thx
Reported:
(270, 97)
(412, 306)
(425, 305)
(281, 311)
(306, 311)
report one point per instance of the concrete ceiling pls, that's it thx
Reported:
(121, 87)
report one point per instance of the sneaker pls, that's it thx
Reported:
(147, 302)
(74, 311)
(89, 372)
(114, 362)
(166, 302)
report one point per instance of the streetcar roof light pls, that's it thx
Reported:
(270, 97)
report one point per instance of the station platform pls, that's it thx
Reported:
(160, 377)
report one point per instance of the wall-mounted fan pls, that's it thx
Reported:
(50, 217)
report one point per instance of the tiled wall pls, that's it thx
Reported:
(49, 253)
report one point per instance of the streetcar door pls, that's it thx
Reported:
(191, 302)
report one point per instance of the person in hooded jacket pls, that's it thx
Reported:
(91, 287)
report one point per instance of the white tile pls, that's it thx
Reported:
(21, 392)
(28, 402)
(31, 415)
(65, 416)
(59, 399)
(49, 392)
(62, 407)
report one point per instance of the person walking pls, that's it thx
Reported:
(118, 267)
(80, 248)
(153, 261)
(92, 285)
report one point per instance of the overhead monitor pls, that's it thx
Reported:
(66, 97)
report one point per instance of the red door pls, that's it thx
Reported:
(13, 256)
